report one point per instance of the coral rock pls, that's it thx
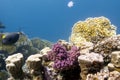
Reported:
(115, 58)
(14, 65)
(33, 63)
(45, 50)
(115, 61)
(86, 47)
(106, 46)
(90, 63)
(104, 75)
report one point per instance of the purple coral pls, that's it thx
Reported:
(62, 57)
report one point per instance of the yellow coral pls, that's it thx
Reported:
(92, 29)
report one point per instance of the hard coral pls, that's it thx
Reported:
(92, 29)
(104, 75)
(62, 57)
(90, 63)
(14, 65)
(115, 61)
(108, 45)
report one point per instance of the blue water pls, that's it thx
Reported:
(53, 19)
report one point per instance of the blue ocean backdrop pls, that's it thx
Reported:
(53, 19)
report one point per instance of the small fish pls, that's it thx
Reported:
(11, 38)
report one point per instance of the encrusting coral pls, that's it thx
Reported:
(92, 30)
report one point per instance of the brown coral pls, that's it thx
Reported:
(108, 45)
(90, 63)
(34, 64)
(104, 75)
(14, 66)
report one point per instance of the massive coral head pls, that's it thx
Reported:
(92, 30)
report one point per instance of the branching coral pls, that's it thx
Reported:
(92, 29)
(62, 57)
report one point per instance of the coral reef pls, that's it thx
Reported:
(34, 64)
(93, 53)
(104, 75)
(115, 61)
(24, 45)
(34, 44)
(14, 66)
(62, 61)
(40, 43)
(108, 45)
(2, 62)
(3, 75)
(92, 29)
(45, 50)
(90, 63)
(62, 57)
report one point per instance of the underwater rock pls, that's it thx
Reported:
(93, 53)
(14, 65)
(107, 45)
(86, 47)
(23, 40)
(28, 46)
(115, 58)
(40, 43)
(91, 30)
(104, 75)
(3, 75)
(115, 61)
(34, 64)
(25, 46)
(27, 50)
(90, 63)
(2, 62)
(45, 50)
(50, 73)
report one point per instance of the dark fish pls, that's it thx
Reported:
(10, 38)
